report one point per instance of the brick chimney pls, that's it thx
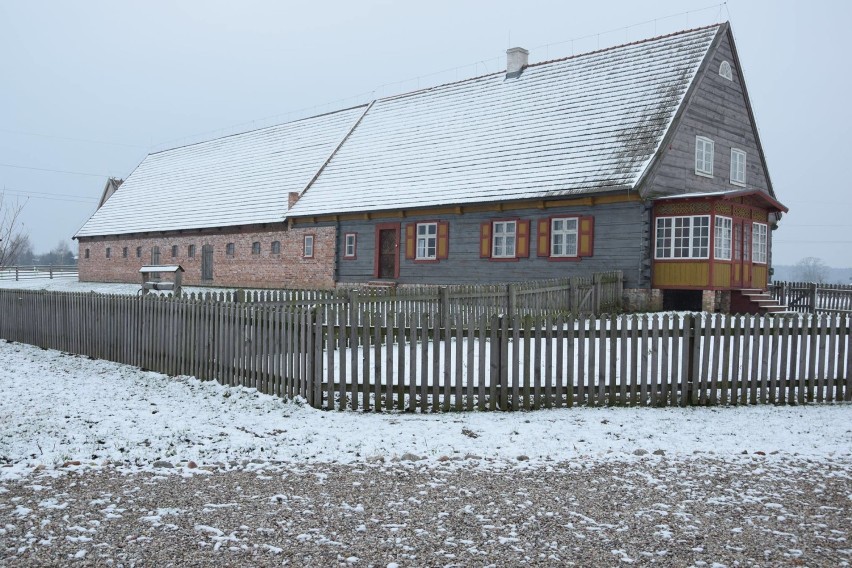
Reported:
(517, 58)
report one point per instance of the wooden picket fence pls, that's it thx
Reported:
(597, 293)
(37, 272)
(349, 355)
(810, 297)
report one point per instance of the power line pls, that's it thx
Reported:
(54, 171)
(47, 195)
(71, 139)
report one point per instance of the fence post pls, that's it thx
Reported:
(812, 292)
(596, 294)
(240, 296)
(16, 274)
(50, 270)
(512, 300)
(444, 307)
(692, 360)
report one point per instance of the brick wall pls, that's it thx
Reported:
(244, 269)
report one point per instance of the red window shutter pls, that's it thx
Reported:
(485, 240)
(523, 236)
(411, 241)
(543, 237)
(443, 240)
(586, 240)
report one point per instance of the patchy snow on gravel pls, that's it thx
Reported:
(58, 408)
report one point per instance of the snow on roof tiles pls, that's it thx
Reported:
(591, 122)
(581, 124)
(236, 180)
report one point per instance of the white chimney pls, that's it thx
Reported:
(516, 59)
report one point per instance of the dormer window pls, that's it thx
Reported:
(725, 71)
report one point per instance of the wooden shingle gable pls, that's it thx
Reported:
(715, 109)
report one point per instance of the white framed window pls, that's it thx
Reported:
(427, 241)
(722, 242)
(738, 167)
(760, 235)
(504, 239)
(308, 246)
(563, 237)
(725, 71)
(349, 245)
(703, 156)
(683, 237)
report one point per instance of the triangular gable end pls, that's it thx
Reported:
(718, 109)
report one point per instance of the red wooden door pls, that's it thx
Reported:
(741, 254)
(387, 253)
(737, 255)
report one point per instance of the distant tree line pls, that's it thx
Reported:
(60, 255)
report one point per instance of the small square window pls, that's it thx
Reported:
(174, 251)
(255, 247)
(350, 245)
(738, 167)
(503, 242)
(229, 249)
(563, 237)
(124, 252)
(276, 247)
(427, 241)
(190, 251)
(108, 252)
(138, 252)
(308, 248)
(703, 156)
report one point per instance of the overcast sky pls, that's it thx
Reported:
(92, 87)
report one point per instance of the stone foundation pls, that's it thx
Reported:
(642, 300)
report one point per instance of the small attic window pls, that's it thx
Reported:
(725, 71)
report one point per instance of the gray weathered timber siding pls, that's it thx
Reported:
(617, 246)
(717, 109)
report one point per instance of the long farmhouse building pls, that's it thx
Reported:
(643, 158)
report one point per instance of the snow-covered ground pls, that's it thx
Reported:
(73, 285)
(57, 408)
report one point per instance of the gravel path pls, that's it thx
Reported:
(752, 510)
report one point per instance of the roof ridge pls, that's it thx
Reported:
(549, 61)
(259, 128)
(628, 44)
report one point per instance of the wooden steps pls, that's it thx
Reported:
(755, 301)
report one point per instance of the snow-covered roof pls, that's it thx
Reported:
(587, 123)
(583, 124)
(242, 179)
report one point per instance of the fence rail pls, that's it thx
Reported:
(352, 356)
(810, 297)
(33, 272)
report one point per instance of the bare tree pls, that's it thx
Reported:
(812, 269)
(12, 237)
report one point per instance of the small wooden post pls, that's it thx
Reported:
(812, 292)
(444, 316)
(512, 299)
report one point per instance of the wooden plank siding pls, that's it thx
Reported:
(618, 229)
(493, 362)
